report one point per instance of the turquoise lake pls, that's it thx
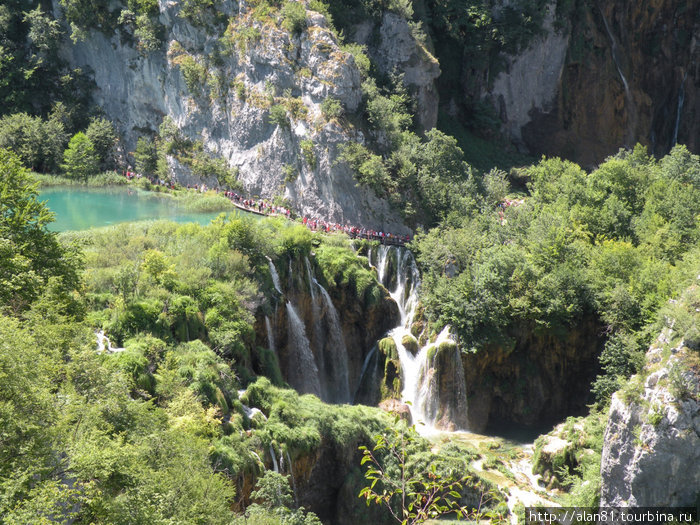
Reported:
(84, 208)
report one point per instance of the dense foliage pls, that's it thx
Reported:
(613, 245)
(33, 78)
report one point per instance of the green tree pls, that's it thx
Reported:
(146, 156)
(101, 134)
(27, 412)
(38, 143)
(80, 159)
(29, 254)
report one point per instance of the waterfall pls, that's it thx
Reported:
(381, 263)
(275, 276)
(339, 354)
(270, 335)
(318, 336)
(275, 466)
(628, 95)
(369, 359)
(104, 344)
(311, 279)
(303, 372)
(681, 99)
(291, 475)
(418, 372)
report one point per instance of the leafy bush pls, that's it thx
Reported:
(307, 150)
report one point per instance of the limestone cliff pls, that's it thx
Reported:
(397, 50)
(630, 75)
(218, 83)
(651, 449)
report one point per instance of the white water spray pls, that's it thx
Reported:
(679, 110)
(303, 372)
(275, 276)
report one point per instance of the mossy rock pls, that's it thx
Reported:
(447, 346)
(410, 343)
(387, 346)
(432, 352)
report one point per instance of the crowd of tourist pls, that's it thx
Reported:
(264, 207)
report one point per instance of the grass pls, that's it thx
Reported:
(107, 178)
(196, 202)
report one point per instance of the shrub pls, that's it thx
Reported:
(307, 150)
(290, 173)
(278, 116)
(331, 108)
(195, 74)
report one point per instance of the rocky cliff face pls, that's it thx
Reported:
(393, 46)
(603, 76)
(529, 84)
(227, 104)
(651, 450)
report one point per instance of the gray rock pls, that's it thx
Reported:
(651, 450)
(530, 81)
(397, 50)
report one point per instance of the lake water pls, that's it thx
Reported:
(84, 208)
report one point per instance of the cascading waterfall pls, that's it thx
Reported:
(303, 372)
(275, 466)
(370, 361)
(338, 363)
(104, 344)
(311, 279)
(294, 484)
(318, 335)
(270, 335)
(418, 371)
(681, 100)
(275, 276)
(628, 95)
(419, 379)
